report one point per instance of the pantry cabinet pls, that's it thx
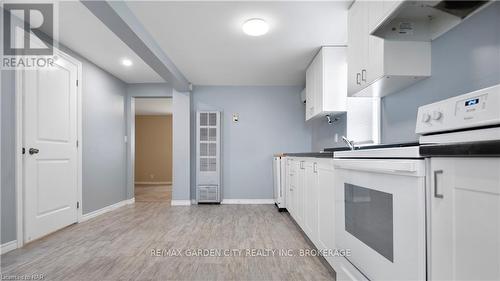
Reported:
(326, 83)
(378, 67)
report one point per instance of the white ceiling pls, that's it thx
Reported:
(206, 43)
(153, 106)
(85, 34)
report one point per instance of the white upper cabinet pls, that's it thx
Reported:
(326, 83)
(378, 67)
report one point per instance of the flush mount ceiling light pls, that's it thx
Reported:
(255, 27)
(126, 62)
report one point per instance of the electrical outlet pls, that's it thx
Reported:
(236, 117)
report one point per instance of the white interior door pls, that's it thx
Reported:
(50, 142)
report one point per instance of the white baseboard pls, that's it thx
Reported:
(7, 247)
(247, 201)
(153, 182)
(180, 202)
(104, 210)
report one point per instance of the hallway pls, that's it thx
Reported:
(153, 193)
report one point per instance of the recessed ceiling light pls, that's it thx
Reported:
(126, 62)
(255, 27)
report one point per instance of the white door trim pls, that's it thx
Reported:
(19, 146)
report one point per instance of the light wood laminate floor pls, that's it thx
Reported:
(117, 246)
(153, 193)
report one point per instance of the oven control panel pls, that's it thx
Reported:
(476, 109)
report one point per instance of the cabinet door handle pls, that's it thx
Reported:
(363, 75)
(436, 194)
(357, 78)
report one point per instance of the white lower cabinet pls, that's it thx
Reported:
(464, 219)
(311, 203)
(295, 184)
(289, 173)
(292, 182)
(326, 207)
(311, 199)
(300, 189)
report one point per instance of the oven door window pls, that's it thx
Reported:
(368, 216)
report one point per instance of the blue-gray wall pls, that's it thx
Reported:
(104, 150)
(7, 167)
(181, 170)
(465, 59)
(104, 158)
(8, 190)
(271, 119)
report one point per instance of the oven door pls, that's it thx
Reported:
(380, 216)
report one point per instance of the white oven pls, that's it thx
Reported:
(380, 214)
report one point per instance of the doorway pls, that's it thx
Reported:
(153, 150)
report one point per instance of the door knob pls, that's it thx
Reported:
(33, 151)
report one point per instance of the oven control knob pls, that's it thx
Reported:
(436, 115)
(426, 118)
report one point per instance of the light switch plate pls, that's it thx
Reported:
(236, 117)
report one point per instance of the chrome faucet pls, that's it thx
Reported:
(349, 143)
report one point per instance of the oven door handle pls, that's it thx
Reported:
(381, 166)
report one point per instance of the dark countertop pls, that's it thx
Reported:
(478, 149)
(328, 152)
(311, 154)
(389, 145)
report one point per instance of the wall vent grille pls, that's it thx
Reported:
(208, 146)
